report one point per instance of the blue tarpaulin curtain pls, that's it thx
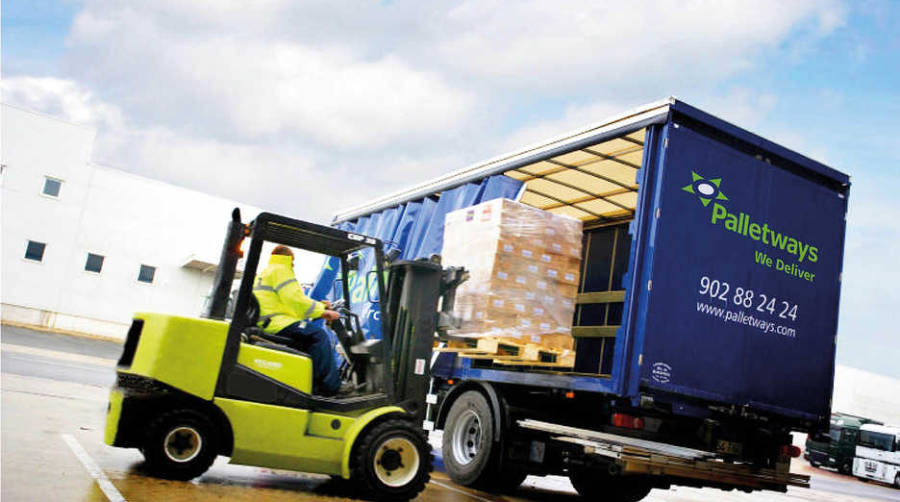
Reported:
(414, 230)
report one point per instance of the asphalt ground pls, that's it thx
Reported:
(53, 394)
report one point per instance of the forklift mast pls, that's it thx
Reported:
(228, 259)
(415, 290)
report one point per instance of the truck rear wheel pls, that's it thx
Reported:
(592, 485)
(179, 444)
(392, 461)
(471, 455)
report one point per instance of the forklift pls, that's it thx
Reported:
(190, 389)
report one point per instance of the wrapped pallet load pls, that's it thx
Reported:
(524, 266)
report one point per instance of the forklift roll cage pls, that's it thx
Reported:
(268, 227)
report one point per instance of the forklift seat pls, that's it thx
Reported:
(257, 336)
(277, 346)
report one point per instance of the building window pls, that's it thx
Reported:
(94, 263)
(146, 274)
(35, 251)
(52, 186)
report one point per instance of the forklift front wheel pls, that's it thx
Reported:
(180, 445)
(392, 462)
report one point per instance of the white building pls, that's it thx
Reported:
(85, 246)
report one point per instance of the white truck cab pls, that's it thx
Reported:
(878, 454)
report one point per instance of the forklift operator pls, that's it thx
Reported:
(284, 310)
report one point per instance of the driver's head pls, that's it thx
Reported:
(283, 251)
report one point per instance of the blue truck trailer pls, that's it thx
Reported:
(706, 314)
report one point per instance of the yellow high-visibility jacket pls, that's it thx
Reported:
(281, 300)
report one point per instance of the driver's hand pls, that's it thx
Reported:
(330, 315)
(327, 304)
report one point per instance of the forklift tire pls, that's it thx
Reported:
(592, 485)
(180, 445)
(392, 462)
(471, 456)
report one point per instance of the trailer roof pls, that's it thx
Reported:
(588, 173)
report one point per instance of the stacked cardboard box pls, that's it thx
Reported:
(524, 267)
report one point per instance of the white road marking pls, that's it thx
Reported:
(95, 471)
(457, 490)
(55, 354)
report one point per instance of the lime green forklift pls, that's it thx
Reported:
(190, 389)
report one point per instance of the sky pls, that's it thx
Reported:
(278, 103)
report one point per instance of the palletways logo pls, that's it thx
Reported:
(709, 191)
(706, 190)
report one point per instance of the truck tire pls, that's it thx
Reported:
(468, 445)
(846, 468)
(180, 444)
(392, 461)
(592, 485)
(477, 465)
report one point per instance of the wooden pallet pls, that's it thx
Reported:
(505, 352)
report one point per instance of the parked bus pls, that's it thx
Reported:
(878, 454)
(839, 450)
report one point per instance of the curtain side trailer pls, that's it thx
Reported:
(706, 320)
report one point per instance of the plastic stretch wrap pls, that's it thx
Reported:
(524, 267)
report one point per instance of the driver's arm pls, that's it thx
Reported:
(290, 293)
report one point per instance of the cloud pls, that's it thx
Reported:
(62, 98)
(573, 117)
(568, 45)
(261, 104)
(255, 86)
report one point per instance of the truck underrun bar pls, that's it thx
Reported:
(641, 457)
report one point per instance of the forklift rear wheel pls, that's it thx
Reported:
(593, 485)
(392, 462)
(179, 445)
